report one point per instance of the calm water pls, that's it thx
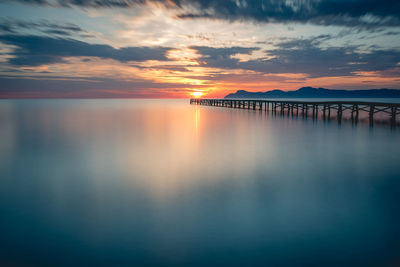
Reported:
(162, 182)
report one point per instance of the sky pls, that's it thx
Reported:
(181, 48)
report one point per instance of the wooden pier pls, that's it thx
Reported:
(327, 109)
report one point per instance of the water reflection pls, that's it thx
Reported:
(161, 182)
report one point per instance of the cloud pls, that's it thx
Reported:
(366, 13)
(223, 52)
(12, 26)
(39, 50)
(360, 13)
(221, 57)
(305, 56)
(85, 3)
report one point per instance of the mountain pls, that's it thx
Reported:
(310, 92)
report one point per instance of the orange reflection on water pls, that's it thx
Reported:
(164, 147)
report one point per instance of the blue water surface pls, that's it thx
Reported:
(165, 183)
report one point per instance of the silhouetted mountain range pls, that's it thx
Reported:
(310, 92)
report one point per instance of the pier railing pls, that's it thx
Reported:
(303, 108)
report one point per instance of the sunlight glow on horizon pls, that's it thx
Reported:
(149, 51)
(197, 94)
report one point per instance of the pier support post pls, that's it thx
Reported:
(393, 116)
(280, 107)
(329, 111)
(357, 113)
(371, 114)
(313, 110)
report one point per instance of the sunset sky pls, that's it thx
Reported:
(174, 48)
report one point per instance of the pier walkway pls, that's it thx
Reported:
(328, 109)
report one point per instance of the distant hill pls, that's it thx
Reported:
(310, 92)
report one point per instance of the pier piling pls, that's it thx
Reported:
(353, 107)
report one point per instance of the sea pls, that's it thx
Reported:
(127, 182)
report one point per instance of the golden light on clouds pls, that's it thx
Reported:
(152, 50)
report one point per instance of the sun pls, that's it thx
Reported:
(197, 94)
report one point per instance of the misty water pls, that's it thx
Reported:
(162, 182)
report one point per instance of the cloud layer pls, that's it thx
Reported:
(38, 50)
(367, 13)
(154, 48)
(303, 56)
(321, 12)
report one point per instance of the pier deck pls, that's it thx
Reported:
(302, 108)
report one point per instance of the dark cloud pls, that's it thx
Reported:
(83, 3)
(13, 26)
(223, 52)
(39, 50)
(322, 12)
(305, 56)
(57, 32)
(221, 57)
(288, 43)
(366, 13)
